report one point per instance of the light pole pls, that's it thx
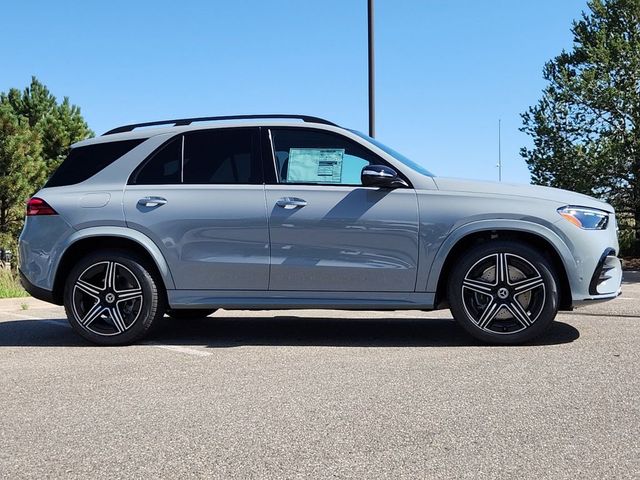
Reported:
(499, 151)
(372, 106)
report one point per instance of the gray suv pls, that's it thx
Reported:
(185, 216)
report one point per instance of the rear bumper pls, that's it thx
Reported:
(36, 292)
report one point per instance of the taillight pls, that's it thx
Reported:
(37, 206)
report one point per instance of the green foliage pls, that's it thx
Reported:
(9, 285)
(22, 168)
(586, 126)
(35, 135)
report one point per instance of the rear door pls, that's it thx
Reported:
(200, 198)
(328, 232)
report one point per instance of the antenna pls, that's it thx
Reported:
(371, 52)
(499, 165)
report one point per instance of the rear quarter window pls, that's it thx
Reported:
(84, 162)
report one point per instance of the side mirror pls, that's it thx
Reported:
(381, 176)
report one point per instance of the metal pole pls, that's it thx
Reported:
(499, 151)
(372, 106)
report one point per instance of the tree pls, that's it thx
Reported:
(586, 126)
(21, 167)
(60, 125)
(35, 135)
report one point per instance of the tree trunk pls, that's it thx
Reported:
(3, 216)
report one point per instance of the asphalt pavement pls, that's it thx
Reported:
(321, 394)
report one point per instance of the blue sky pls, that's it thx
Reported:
(446, 70)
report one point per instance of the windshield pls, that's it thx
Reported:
(397, 155)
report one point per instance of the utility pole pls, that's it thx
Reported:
(499, 152)
(372, 106)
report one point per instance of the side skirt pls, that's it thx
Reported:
(248, 300)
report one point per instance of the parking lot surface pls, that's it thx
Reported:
(318, 394)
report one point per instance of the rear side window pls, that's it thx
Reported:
(217, 156)
(221, 157)
(84, 162)
(163, 166)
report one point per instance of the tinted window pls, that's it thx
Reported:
(163, 166)
(311, 156)
(84, 162)
(222, 157)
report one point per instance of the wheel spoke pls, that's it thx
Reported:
(87, 288)
(117, 319)
(93, 313)
(502, 268)
(527, 285)
(519, 314)
(110, 275)
(129, 294)
(488, 314)
(477, 286)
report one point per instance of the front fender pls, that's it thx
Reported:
(461, 232)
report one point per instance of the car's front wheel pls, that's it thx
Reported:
(503, 292)
(112, 298)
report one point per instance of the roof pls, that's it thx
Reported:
(150, 129)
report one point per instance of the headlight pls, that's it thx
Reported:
(585, 218)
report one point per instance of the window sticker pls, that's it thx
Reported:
(315, 165)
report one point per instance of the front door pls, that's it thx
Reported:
(328, 232)
(200, 198)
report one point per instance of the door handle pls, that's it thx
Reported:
(291, 202)
(152, 201)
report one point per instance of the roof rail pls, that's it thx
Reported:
(188, 121)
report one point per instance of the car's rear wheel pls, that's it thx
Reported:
(503, 292)
(190, 313)
(112, 298)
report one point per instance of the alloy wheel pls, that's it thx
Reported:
(107, 298)
(503, 293)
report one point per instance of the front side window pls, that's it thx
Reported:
(304, 156)
(216, 156)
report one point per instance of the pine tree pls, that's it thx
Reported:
(586, 126)
(35, 135)
(21, 168)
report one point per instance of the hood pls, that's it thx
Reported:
(557, 195)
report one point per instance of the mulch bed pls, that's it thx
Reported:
(631, 263)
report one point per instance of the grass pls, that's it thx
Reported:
(10, 285)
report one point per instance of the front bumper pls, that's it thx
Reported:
(594, 272)
(607, 276)
(606, 280)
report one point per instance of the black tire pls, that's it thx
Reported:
(190, 313)
(112, 297)
(500, 310)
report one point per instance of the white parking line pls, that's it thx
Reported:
(178, 348)
(20, 315)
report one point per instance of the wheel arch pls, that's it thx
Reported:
(536, 236)
(92, 239)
